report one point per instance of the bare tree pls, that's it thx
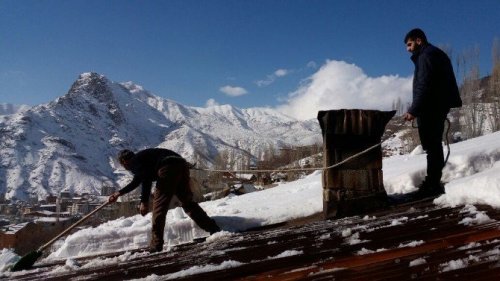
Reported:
(494, 87)
(473, 113)
(397, 105)
(447, 49)
(221, 162)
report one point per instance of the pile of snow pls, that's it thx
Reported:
(472, 173)
(7, 259)
(233, 213)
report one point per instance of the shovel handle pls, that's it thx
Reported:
(72, 226)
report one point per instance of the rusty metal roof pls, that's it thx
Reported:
(415, 241)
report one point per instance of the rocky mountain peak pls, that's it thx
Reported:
(93, 84)
(93, 93)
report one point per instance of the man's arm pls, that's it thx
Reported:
(129, 187)
(146, 191)
(421, 85)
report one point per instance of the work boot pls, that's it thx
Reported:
(155, 248)
(429, 188)
(214, 228)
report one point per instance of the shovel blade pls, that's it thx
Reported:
(27, 261)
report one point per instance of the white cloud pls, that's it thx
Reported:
(339, 85)
(312, 64)
(272, 77)
(280, 72)
(211, 102)
(266, 82)
(233, 91)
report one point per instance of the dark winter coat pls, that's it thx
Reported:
(434, 84)
(144, 166)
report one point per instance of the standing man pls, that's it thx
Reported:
(435, 91)
(171, 173)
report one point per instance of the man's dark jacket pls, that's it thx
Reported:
(434, 85)
(144, 166)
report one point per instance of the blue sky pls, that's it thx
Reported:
(244, 53)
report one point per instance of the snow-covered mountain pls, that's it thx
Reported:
(8, 108)
(71, 143)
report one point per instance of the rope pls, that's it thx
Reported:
(323, 168)
(294, 169)
(447, 141)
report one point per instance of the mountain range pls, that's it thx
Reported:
(71, 143)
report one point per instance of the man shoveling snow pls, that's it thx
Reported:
(171, 173)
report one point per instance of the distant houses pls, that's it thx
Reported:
(25, 227)
(233, 183)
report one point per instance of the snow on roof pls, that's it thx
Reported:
(472, 176)
(47, 213)
(245, 176)
(51, 219)
(48, 206)
(14, 228)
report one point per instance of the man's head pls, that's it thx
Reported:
(124, 157)
(415, 39)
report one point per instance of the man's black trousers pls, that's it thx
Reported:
(430, 130)
(176, 181)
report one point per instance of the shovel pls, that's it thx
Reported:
(27, 261)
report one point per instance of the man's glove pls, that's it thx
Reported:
(113, 197)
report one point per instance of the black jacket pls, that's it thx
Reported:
(434, 84)
(144, 166)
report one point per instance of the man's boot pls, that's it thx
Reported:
(430, 188)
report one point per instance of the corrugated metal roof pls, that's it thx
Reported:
(418, 241)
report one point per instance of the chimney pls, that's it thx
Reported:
(356, 186)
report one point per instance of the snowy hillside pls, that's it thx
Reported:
(71, 143)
